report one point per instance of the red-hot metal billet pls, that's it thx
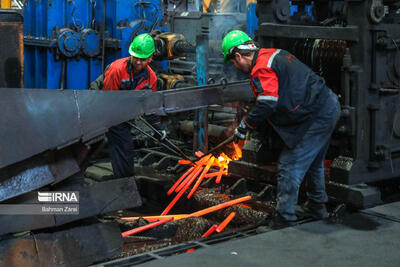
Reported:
(212, 174)
(220, 206)
(195, 172)
(220, 173)
(184, 162)
(171, 190)
(210, 231)
(205, 170)
(146, 227)
(225, 222)
(178, 196)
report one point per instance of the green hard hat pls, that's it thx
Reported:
(233, 39)
(142, 46)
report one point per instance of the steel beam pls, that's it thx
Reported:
(36, 120)
(349, 33)
(190, 98)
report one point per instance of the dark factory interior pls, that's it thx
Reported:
(203, 133)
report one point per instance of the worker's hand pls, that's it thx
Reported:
(163, 134)
(241, 132)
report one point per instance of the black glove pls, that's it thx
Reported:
(241, 132)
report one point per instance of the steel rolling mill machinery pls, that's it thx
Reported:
(53, 133)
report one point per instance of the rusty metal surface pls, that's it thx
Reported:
(78, 246)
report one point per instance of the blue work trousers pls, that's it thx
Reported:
(307, 157)
(121, 149)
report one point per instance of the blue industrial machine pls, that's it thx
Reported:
(252, 20)
(69, 42)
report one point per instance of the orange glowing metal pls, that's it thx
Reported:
(178, 196)
(238, 151)
(220, 173)
(194, 214)
(210, 231)
(171, 190)
(205, 170)
(187, 179)
(204, 160)
(223, 158)
(219, 206)
(245, 206)
(212, 174)
(146, 227)
(225, 222)
(183, 181)
(184, 162)
(199, 154)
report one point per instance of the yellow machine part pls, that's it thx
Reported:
(170, 39)
(172, 79)
(225, 5)
(5, 3)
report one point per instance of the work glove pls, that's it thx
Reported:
(163, 134)
(241, 132)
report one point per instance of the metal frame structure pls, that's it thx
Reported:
(368, 134)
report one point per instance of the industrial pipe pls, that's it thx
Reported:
(213, 130)
(182, 47)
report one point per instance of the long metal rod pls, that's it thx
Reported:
(223, 143)
(227, 141)
(153, 138)
(165, 139)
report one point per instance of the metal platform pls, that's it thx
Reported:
(366, 238)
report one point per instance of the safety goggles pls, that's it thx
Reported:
(241, 47)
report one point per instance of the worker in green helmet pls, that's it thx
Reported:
(130, 73)
(301, 109)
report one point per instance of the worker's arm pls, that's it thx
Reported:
(112, 79)
(265, 83)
